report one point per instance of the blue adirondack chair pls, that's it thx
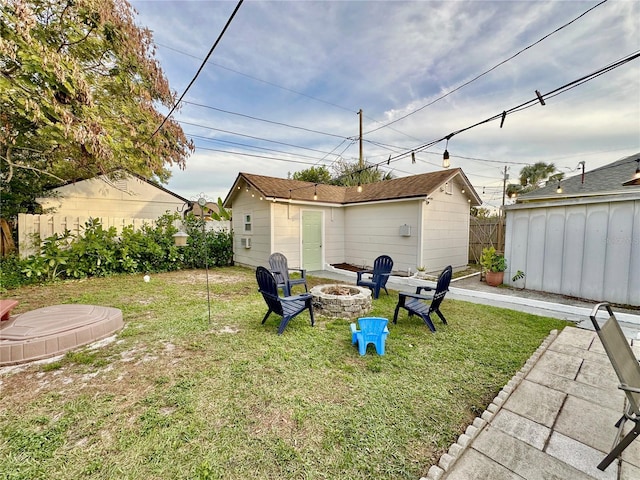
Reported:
(372, 330)
(280, 269)
(425, 305)
(379, 275)
(287, 307)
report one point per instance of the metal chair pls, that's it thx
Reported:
(627, 369)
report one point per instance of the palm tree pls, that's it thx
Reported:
(533, 177)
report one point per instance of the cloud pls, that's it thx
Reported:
(314, 64)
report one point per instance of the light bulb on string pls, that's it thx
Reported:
(445, 156)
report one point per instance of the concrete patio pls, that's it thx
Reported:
(554, 420)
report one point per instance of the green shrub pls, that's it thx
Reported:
(99, 252)
(11, 275)
(212, 247)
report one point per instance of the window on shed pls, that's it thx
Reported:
(247, 225)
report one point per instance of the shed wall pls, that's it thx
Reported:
(260, 233)
(446, 230)
(334, 233)
(589, 251)
(286, 232)
(374, 230)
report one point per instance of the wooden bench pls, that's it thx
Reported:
(5, 308)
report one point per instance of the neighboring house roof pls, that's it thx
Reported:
(415, 186)
(612, 179)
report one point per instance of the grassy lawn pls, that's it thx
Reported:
(174, 397)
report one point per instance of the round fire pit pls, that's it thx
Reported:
(341, 301)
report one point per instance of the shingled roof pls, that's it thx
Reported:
(612, 179)
(415, 186)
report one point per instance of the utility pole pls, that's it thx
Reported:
(504, 185)
(361, 163)
(500, 243)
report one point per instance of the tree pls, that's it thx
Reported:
(345, 174)
(314, 174)
(533, 177)
(221, 214)
(483, 212)
(78, 93)
(351, 174)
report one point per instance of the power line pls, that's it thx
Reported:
(488, 71)
(252, 137)
(422, 148)
(255, 156)
(246, 145)
(259, 79)
(528, 104)
(263, 120)
(213, 47)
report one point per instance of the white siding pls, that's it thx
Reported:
(260, 211)
(286, 232)
(277, 228)
(374, 230)
(98, 197)
(589, 251)
(334, 233)
(446, 230)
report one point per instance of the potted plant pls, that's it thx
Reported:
(494, 265)
(421, 272)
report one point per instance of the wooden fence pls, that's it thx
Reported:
(43, 226)
(485, 232)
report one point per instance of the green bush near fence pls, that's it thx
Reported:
(100, 251)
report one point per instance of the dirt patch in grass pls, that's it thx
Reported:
(177, 396)
(198, 277)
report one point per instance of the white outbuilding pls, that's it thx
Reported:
(420, 221)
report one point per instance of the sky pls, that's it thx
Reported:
(282, 89)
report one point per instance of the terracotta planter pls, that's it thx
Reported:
(494, 278)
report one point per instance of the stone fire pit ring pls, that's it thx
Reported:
(341, 301)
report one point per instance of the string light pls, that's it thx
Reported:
(315, 192)
(637, 175)
(445, 156)
(559, 189)
(359, 187)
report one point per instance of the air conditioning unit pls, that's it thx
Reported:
(245, 242)
(405, 230)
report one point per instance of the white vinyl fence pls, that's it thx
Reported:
(30, 226)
